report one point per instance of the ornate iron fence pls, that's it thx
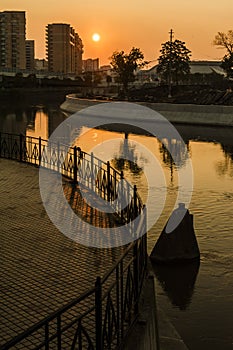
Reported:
(77, 165)
(113, 307)
(100, 318)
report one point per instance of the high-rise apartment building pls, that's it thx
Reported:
(12, 39)
(30, 54)
(91, 65)
(64, 49)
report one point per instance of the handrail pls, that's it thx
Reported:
(47, 319)
(114, 298)
(77, 165)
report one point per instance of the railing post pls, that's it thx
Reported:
(20, 147)
(108, 182)
(136, 276)
(135, 208)
(98, 314)
(122, 209)
(92, 171)
(80, 153)
(39, 151)
(75, 164)
(115, 184)
(145, 236)
(58, 156)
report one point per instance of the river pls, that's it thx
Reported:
(198, 299)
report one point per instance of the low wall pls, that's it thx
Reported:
(217, 115)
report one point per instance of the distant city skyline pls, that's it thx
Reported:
(122, 25)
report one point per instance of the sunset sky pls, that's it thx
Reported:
(123, 24)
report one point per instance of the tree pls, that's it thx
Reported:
(97, 78)
(227, 65)
(19, 79)
(125, 65)
(108, 79)
(87, 76)
(174, 61)
(225, 41)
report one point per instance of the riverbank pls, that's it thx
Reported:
(35, 96)
(215, 115)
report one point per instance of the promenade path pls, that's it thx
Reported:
(40, 268)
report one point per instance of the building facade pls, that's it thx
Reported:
(30, 54)
(12, 40)
(41, 64)
(91, 65)
(64, 49)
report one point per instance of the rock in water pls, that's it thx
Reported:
(177, 241)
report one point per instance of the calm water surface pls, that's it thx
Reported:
(197, 299)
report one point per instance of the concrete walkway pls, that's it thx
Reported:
(40, 269)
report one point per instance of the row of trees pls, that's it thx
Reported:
(173, 62)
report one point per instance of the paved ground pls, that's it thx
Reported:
(40, 268)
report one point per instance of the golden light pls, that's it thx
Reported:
(96, 37)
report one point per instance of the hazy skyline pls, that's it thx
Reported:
(122, 25)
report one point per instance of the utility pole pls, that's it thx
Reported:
(169, 72)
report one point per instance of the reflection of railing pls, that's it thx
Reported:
(100, 318)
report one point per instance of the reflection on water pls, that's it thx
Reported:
(180, 152)
(178, 281)
(126, 158)
(225, 167)
(201, 292)
(207, 319)
(39, 125)
(34, 121)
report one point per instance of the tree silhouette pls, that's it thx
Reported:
(174, 60)
(127, 159)
(224, 41)
(87, 76)
(108, 79)
(227, 65)
(125, 66)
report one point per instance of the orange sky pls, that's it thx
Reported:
(123, 24)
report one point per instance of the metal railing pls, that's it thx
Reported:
(78, 166)
(105, 323)
(102, 316)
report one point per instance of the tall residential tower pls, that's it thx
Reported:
(64, 49)
(30, 54)
(12, 40)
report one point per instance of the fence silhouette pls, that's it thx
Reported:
(102, 316)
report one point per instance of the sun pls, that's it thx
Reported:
(96, 37)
